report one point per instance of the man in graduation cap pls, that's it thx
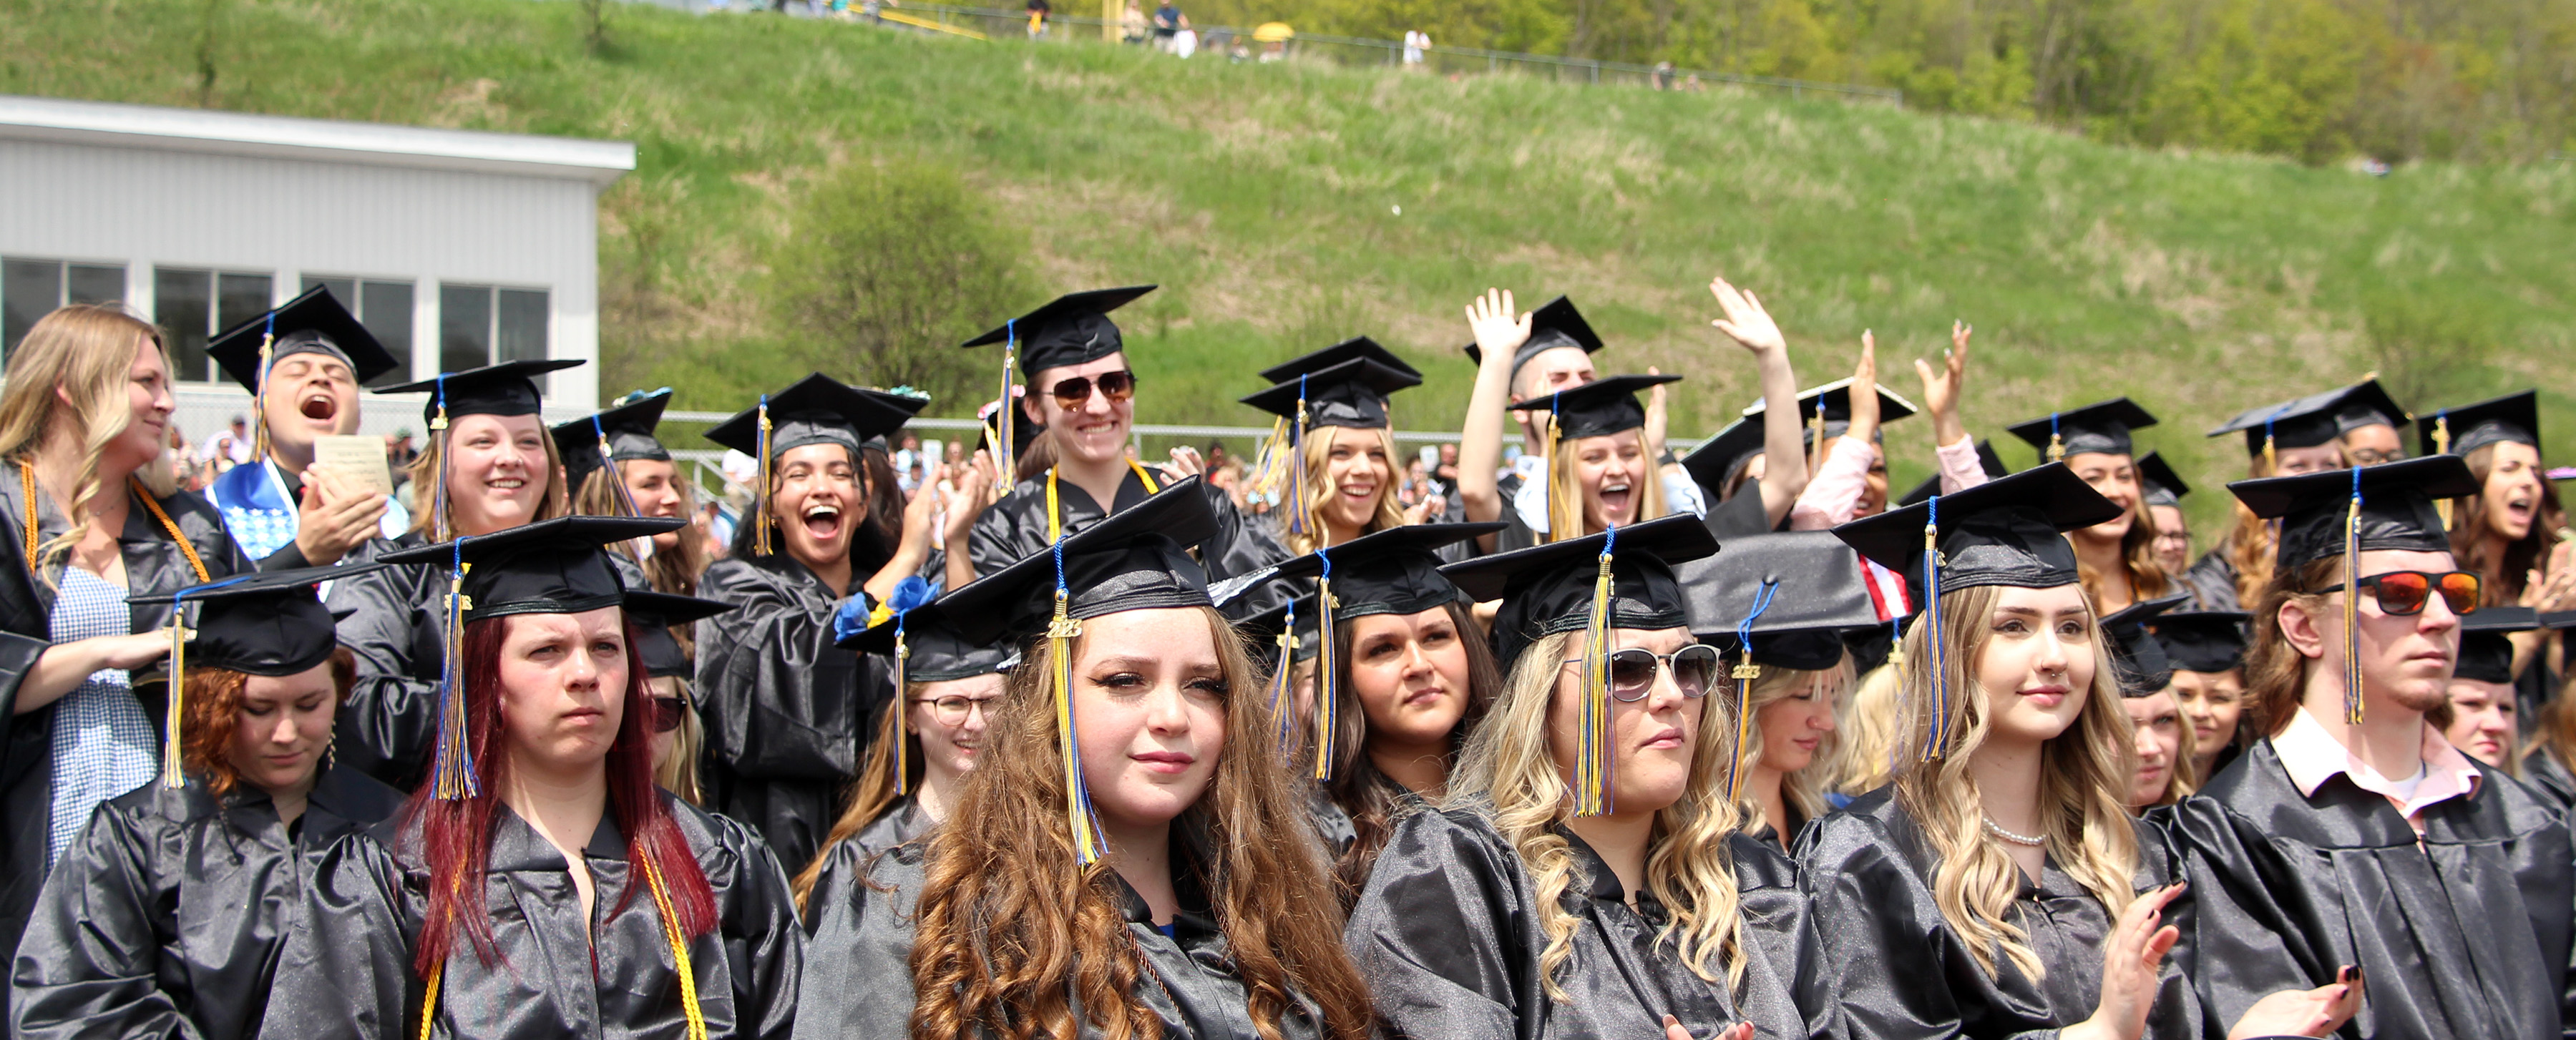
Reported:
(2353, 425)
(2478, 717)
(1082, 391)
(2352, 836)
(303, 364)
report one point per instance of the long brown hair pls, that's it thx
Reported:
(2275, 670)
(2147, 578)
(2253, 543)
(84, 351)
(2555, 733)
(212, 715)
(1365, 794)
(1010, 937)
(870, 796)
(675, 570)
(2504, 576)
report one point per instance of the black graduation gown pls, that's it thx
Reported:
(394, 622)
(2212, 581)
(154, 565)
(1016, 527)
(788, 715)
(1447, 938)
(165, 917)
(858, 982)
(845, 864)
(2461, 934)
(2546, 777)
(347, 971)
(1900, 970)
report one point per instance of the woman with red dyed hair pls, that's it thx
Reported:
(541, 885)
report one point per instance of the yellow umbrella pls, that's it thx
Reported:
(1273, 32)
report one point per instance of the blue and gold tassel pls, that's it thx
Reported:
(1593, 762)
(2352, 604)
(608, 464)
(1933, 638)
(452, 770)
(1745, 672)
(1326, 690)
(1061, 632)
(760, 493)
(1005, 460)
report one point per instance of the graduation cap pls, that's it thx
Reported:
(926, 647)
(2100, 428)
(1072, 329)
(2208, 641)
(2486, 652)
(817, 409)
(1718, 459)
(1129, 560)
(314, 323)
(1987, 460)
(553, 566)
(263, 623)
(910, 404)
(620, 434)
(2143, 667)
(1354, 347)
(1790, 596)
(1825, 411)
(1620, 578)
(1270, 626)
(2007, 531)
(1351, 394)
(2513, 418)
(2162, 485)
(2315, 419)
(653, 614)
(508, 388)
(1596, 409)
(1554, 324)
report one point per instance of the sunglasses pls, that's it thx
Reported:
(2404, 593)
(1071, 393)
(668, 712)
(1632, 671)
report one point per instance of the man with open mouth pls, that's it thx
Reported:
(303, 364)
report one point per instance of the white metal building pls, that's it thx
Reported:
(456, 248)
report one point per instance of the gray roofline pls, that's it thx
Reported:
(325, 140)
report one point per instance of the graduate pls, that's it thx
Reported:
(2478, 715)
(2353, 425)
(1999, 887)
(303, 364)
(1332, 464)
(489, 466)
(613, 466)
(1591, 887)
(1081, 390)
(2162, 489)
(540, 884)
(927, 744)
(2350, 834)
(1135, 863)
(2162, 738)
(1790, 598)
(165, 915)
(679, 737)
(2206, 650)
(2512, 531)
(2117, 558)
(788, 712)
(1850, 471)
(93, 523)
(1724, 464)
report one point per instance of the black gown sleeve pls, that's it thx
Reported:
(858, 980)
(1784, 954)
(389, 620)
(346, 969)
(89, 964)
(764, 947)
(1434, 935)
(787, 712)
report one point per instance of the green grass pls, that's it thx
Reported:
(1262, 198)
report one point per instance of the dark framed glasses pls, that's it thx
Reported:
(2404, 593)
(955, 709)
(1632, 671)
(1071, 393)
(667, 713)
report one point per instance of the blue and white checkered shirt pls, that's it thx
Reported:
(103, 743)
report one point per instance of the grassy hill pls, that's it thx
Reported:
(1265, 199)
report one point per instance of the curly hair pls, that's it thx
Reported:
(211, 715)
(1318, 449)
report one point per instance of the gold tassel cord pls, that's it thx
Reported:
(173, 770)
(1593, 768)
(680, 963)
(2352, 605)
(902, 703)
(760, 494)
(259, 401)
(1005, 460)
(2056, 444)
(1327, 706)
(2442, 446)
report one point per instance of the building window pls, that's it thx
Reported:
(191, 305)
(385, 308)
(481, 325)
(31, 289)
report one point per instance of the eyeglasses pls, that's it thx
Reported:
(2373, 456)
(1632, 671)
(1071, 393)
(668, 713)
(2404, 593)
(954, 709)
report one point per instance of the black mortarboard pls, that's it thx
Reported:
(2202, 640)
(1795, 593)
(1394, 571)
(1354, 347)
(653, 614)
(508, 388)
(2139, 657)
(1718, 459)
(2512, 418)
(1599, 408)
(2486, 654)
(934, 651)
(1987, 460)
(262, 623)
(2315, 419)
(910, 403)
(817, 409)
(1547, 589)
(1554, 324)
(556, 566)
(1350, 394)
(1131, 560)
(313, 323)
(2100, 428)
(2007, 531)
(1262, 629)
(1073, 329)
(1828, 408)
(2558, 619)
(2157, 478)
(2396, 506)
(628, 429)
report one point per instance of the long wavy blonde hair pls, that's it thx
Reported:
(1872, 722)
(424, 481)
(1318, 449)
(2084, 779)
(1560, 474)
(1804, 789)
(1507, 769)
(85, 350)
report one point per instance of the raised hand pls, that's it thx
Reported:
(1745, 322)
(1498, 332)
(2131, 957)
(1941, 388)
(1184, 465)
(1864, 391)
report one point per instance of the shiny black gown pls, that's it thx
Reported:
(2542, 773)
(1016, 527)
(348, 971)
(788, 715)
(858, 978)
(845, 865)
(165, 916)
(393, 621)
(1900, 970)
(2461, 934)
(154, 565)
(1447, 938)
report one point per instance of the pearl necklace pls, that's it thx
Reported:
(2017, 839)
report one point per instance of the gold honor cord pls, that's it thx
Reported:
(1055, 515)
(1592, 763)
(680, 962)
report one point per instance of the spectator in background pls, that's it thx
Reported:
(230, 446)
(1038, 12)
(957, 453)
(1131, 29)
(1216, 455)
(1415, 41)
(1167, 22)
(1662, 78)
(1446, 473)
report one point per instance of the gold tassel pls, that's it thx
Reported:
(173, 770)
(2442, 446)
(259, 401)
(760, 494)
(902, 703)
(2352, 606)
(1005, 460)
(1061, 632)
(1592, 764)
(1326, 690)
